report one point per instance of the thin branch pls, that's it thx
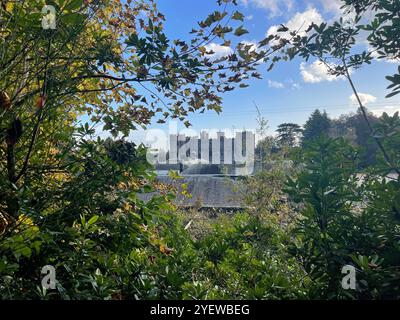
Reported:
(364, 113)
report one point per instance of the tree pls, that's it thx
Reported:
(288, 134)
(318, 124)
(363, 137)
(110, 61)
(325, 187)
(333, 230)
(356, 131)
(336, 46)
(107, 64)
(318, 188)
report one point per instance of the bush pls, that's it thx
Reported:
(347, 219)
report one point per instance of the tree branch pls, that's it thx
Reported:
(365, 116)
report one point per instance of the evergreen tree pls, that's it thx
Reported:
(318, 124)
(363, 136)
(288, 134)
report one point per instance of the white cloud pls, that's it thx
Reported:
(275, 84)
(219, 51)
(364, 97)
(316, 72)
(300, 22)
(332, 6)
(294, 85)
(376, 55)
(390, 110)
(275, 7)
(253, 44)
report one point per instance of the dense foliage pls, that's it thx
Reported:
(73, 201)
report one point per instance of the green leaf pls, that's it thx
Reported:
(25, 251)
(283, 28)
(93, 220)
(392, 94)
(238, 16)
(73, 19)
(240, 31)
(74, 4)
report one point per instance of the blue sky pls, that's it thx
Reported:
(292, 90)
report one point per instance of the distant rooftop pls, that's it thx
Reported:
(206, 191)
